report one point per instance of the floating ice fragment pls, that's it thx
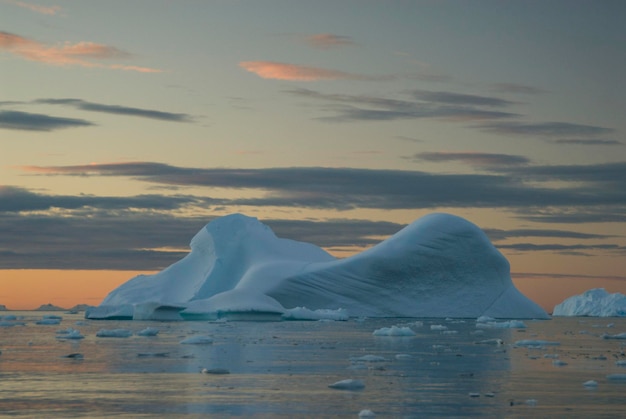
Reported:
(369, 358)
(551, 356)
(153, 354)
(215, 371)
(559, 363)
(473, 394)
(511, 324)
(69, 333)
(197, 340)
(621, 363)
(366, 413)
(536, 343)
(485, 319)
(74, 356)
(440, 327)
(114, 333)
(616, 377)
(490, 394)
(48, 322)
(148, 331)
(403, 356)
(590, 384)
(394, 331)
(348, 384)
(496, 341)
(303, 313)
(531, 402)
(618, 336)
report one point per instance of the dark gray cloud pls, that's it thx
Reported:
(118, 110)
(516, 88)
(371, 108)
(577, 249)
(589, 141)
(135, 241)
(27, 121)
(577, 215)
(545, 129)
(345, 188)
(498, 234)
(16, 199)
(475, 159)
(453, 98)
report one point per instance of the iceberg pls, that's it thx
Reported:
(595, 302)
(439, 266)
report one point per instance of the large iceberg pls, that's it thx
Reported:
(595, 302)
(439, 266)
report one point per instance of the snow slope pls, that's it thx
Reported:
(595, 302)
(438, 266)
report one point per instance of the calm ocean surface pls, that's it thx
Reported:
(283, 369)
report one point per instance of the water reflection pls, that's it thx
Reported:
(284, 369)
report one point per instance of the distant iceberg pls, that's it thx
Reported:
(439, 266)
(595, 302)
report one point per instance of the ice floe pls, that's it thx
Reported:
(394, 331)
(595, 302)
(348, 384)
(197, 340)
(114, 333)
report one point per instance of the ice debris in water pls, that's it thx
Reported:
(114, 333)
(394, 331)
(439, 327)
(536, 343)
(303, 313)
(69, 333)
(618, 336)
(148, 331)
(590, 384)
(366, 413)
(369, 358)
(510, 324)
(48, 321)
(215, 371)
(348, 384)
(197, 340)
(494, 341)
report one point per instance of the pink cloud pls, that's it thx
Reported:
(46, 10)
(282, 71)
(328, 40)
(83, 54)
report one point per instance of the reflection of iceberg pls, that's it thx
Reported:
(596, 302)
(439, 266)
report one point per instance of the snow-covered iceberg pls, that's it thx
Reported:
(439, 266)
(595, 302)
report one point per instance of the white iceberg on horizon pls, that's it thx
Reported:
(595, 302)
(438, 266)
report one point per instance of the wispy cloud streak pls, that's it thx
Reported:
(328, 40)
(45, 10)
(293, 72)
(18, 120)
(83, 54)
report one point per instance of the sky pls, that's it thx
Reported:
(126, 126)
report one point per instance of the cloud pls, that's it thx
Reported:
(498, 234)
(516, 88)
(37, 122)
(590, 141)
(328, 40)
(348, 188)
(576, 249)
(453, 98)
(45, 10)
(83, 54)
(545, 129)
(347, 108)
(150, 241)
(292, 72)
(472, 158)
(118, 110)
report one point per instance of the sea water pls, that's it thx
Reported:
(448, 368)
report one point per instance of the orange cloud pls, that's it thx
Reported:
(46, 10)
(282, 71)
(328, 40)
(81, 54)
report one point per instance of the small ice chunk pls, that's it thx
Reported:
(114, 333)
(559, 363)
(495, 341)
(394, 331)
(485, 319)
(439, 327)
(552, 356)
(616, 377)
(621, 363)
(536, 343)
(474, 394)
(48, 322)
(618, 336)
(197, 340)
(366, 413)
(531, 402)
(303, 313)
(74, 356)
(402, 357)
(369, 358)
(215, 371)
(69, 333)
(590, 384)
(511, 324)
(348, 384)
(148, 331)
(153, 354)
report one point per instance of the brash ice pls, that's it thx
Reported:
(439, 266)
